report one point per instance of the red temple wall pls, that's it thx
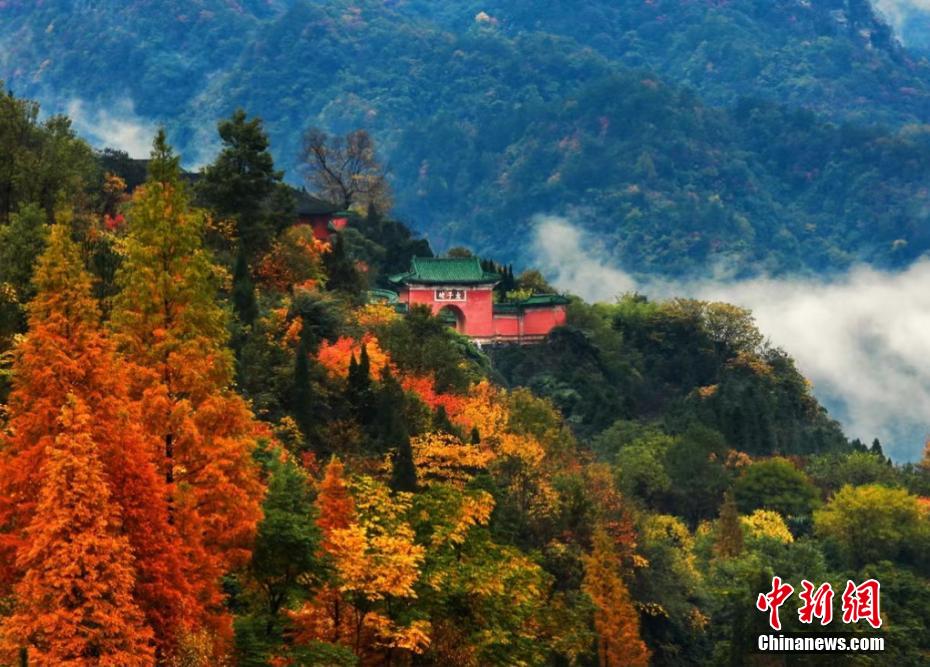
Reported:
(477, 313)
(320, 224)
(477, 309)
(507, 325)
(540, 321)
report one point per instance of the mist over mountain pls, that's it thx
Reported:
(910, 20)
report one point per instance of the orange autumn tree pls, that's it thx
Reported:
(337, 509)
(294, 260)
(616, 620)
(173, 334)
(337, 357)
(424, 386)
(66, 357)
(74, 605)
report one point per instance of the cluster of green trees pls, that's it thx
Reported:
(624, 490)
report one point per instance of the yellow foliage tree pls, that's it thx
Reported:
(443, 458)
(376, 562)
(767, 524)
(519, 456)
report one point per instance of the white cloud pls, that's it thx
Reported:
(559, 245)
(117, 125)
(898, 11)
(114, 126)
(863, 338)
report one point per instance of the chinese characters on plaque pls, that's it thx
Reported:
(450, 295)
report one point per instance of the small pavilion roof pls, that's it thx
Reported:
(446, 271)
(308, 205)
(382, 296)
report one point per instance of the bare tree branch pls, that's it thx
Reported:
(345, 170)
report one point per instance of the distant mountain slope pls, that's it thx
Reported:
(157, 53)
(483, 130)
(487, 119)
(836, 57)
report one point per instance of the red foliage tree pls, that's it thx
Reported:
(74, 604)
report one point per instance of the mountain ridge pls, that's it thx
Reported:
(496, 115)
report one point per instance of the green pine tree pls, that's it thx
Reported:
(342, 274)
(242, 181)
(394, 435)
(359, 392)
(243, 291)
(441, 421)
(302, 398)
(285, 562)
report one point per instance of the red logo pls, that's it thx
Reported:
(817, 603)
(860, 603)
(774, 599)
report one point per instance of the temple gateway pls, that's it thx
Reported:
(460, 291)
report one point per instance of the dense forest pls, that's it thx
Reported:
(772, 137)
(216, 451)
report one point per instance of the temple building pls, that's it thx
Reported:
(459, 290)
(323, 217)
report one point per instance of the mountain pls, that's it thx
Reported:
(633, 119)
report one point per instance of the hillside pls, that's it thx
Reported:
(628, 117)
(835, 57)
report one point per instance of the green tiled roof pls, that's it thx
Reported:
(446, 270)
(382, 296)
(535, 301)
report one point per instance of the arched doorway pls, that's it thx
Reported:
(453, 316)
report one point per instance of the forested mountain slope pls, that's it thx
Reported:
(910, 20)
(833, 56)
(629, 117)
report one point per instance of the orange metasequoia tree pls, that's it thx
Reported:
(172, 333)
(74, 604)
(616, 620)
(66, 357)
